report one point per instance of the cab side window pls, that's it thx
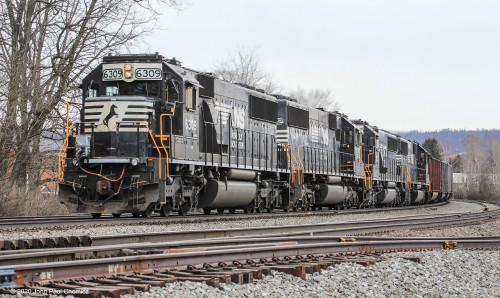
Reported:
(190, 97)
(172, 90)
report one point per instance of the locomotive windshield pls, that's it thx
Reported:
(139, 88)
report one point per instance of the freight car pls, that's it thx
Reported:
(156, 136)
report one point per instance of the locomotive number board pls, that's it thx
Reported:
(132, 71)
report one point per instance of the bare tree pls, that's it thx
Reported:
(481, 162)
(472, 162)
(318, 98)
(244, 67)
(45, 49)
(448, 149)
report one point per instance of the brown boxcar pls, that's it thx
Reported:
(435, 178)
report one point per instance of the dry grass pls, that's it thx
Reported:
(17, 202)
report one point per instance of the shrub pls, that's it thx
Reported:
(18, 202)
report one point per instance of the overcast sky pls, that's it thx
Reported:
(398, 64)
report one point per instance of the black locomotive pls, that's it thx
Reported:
(156, 136)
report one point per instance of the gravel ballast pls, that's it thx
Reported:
(439, 274)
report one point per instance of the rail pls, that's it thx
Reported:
(64, 222)
(123, 268)
(130, 271)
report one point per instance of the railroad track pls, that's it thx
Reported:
(114, 245)
(338, 228)
(212, 264)
(129, 254)
(332, 229)
(84, 220)
(118, 264)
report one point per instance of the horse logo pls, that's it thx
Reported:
(110, 115)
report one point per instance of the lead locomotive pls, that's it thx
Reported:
(156, 136)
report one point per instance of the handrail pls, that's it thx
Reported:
(297, 171)
(407, 177)
(159, 152)
(64, 147)
(301, 163)
(163, 145)
(368, 173)
(293, 170)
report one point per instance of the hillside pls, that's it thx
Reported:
(451, 139)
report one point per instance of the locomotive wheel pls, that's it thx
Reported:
(260, 208)
(165, 210)
(116, 215)
(220, 210)
(298, 207)
(183, 209)
(148, 212)
(232, 210)
(136, 214)
(207, 211)
(96, 215)
(270, 209)
(248, 209)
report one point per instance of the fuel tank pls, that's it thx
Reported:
(333, 179)
(391, 195)
(330, 195)
(435, 195)
(218, 194)
(417, 196)
(235, 174)
(380, 196)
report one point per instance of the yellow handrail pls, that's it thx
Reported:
(301, 163)
(157, 149)
(292, 165)
(61, 162)
(407, 177)
(368, 173)
(297, 165)
(297, 171)
(163, 145)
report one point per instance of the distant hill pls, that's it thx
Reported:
(452, 139)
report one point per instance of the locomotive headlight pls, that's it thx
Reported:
(134, 162)
(128, 71)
